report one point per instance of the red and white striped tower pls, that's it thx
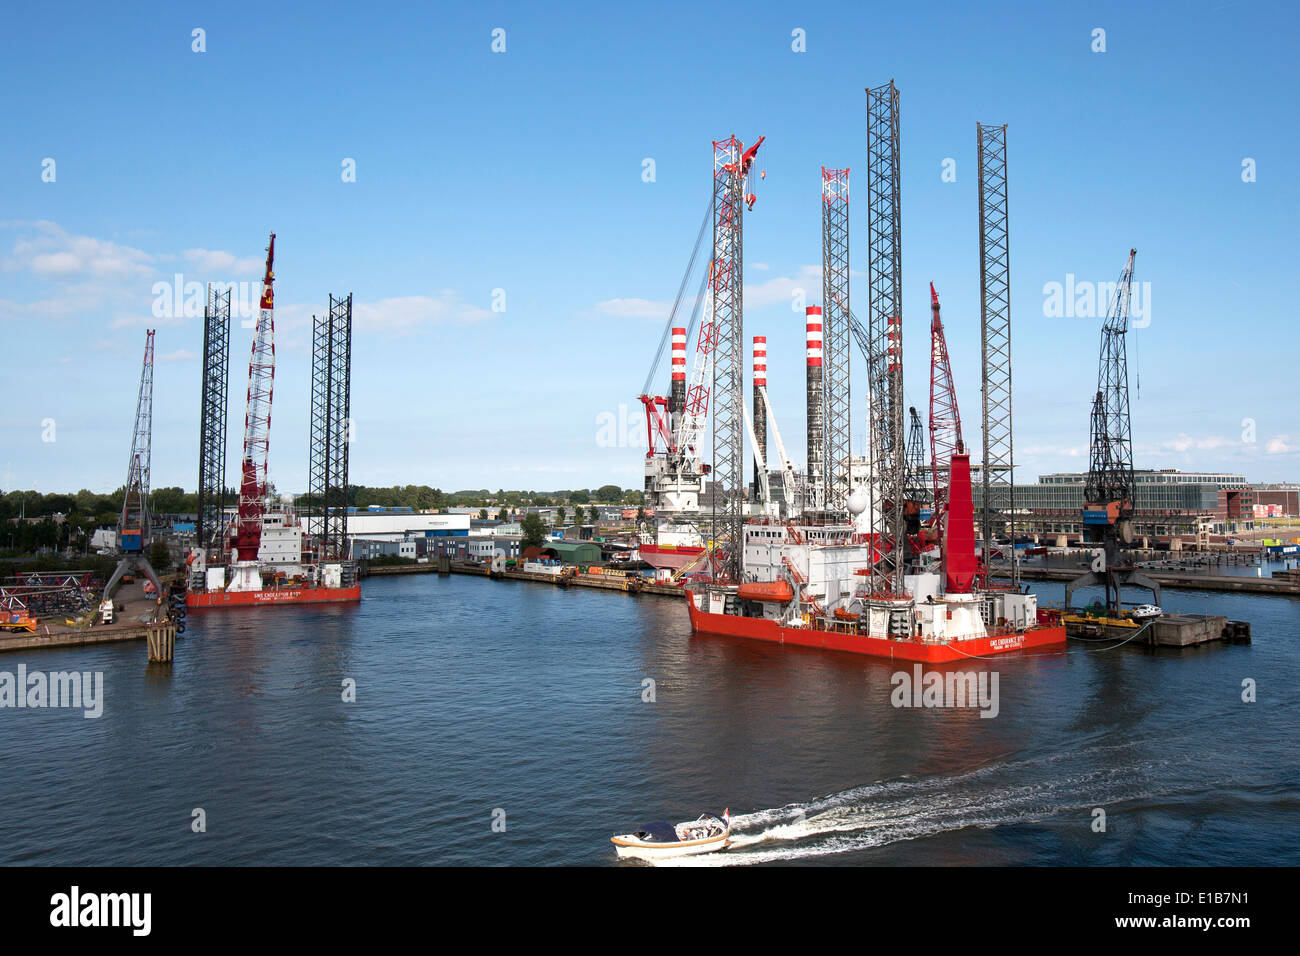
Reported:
(815, 498)
(760, 412)
(677, 393)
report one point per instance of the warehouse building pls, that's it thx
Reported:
(1277, 499)
(575, 552)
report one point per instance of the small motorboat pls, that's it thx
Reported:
(706, 833)
(1145, 611)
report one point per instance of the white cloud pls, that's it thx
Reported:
(780, 290)
(180, 355)
(405, 313)
(1050, 450)
(215, 261)
(50, 252)
(1278, 445)
(634, 309)
(1184, 442)
(89, 276)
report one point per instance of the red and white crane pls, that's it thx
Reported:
(945, 419)
(675, 423)
(257, 423)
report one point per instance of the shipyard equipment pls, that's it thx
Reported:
(331, 427)
(885, 327)
(675, 424)
(210, 526)
(274, 558)
(134, 531)
(257, 422)
(762, 492)
(835, 340)
(998, 509)
(733, 171)
(815, 492)
(945, 419)
(916, 466)
(1108, 493)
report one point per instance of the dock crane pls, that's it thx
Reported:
(253, 484)
(945, 433)
(675, 423)
(134, 531)
(945, 419)
(916, 488)
(1109, 492)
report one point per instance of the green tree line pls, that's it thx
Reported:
(103, 509)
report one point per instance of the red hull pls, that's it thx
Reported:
(671, 558)
(758, 629)
(273, 596)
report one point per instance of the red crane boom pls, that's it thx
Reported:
(945, 420)
(257, 422)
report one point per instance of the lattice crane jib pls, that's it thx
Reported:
(253, 485)
(134, 523)
(1109, 490)
(917, 489)
(1110, 473)
(945, 418)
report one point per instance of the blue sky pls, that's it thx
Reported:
(522, 171)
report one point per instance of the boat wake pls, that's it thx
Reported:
(912, 808)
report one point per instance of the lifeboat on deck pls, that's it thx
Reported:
(778, 591)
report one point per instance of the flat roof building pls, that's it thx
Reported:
(1167, 503)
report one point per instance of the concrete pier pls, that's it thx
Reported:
(1169, 630)
(1188, 581)
(631, 584)
(132, 622)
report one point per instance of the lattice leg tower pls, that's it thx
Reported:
(331, 427)
(835, 339)
(728, 392)
(885, 311)
(213, 409)
(995, 335)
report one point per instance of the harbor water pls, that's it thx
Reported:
(515, 723)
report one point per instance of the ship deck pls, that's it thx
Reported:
(847, 637)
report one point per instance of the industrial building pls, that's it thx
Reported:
(1167, 503)
(397, 526)
(400, 533)
(1276, 499)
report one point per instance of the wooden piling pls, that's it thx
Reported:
(161, 639)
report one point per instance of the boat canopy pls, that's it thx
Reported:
(659, 832)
